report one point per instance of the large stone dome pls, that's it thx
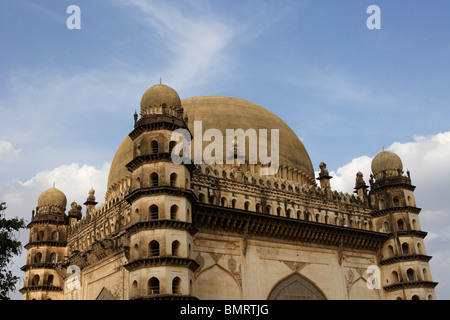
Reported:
(386, 161)
(158, 95)
(52, 197)
(223, 113)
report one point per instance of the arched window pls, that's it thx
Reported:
(405, 248)
(134, 289)
(38, 257)
(223, 202)
(394, 277)
(415, 297)
(172, 145)
(425, 275)
(40, 236)
(400, 225)
(154, 146)
(396, 201)
(176, 285)
(153, 248)
(289, 213)
(138, 182)
(153, 286)
(175, 248)
(278, 211)
(386, 227)
(173, 212)
(136, 251)
(53, 257)
(233, 203)
(390, 251)
(410, 275)
(173, 180)
(50, 280)
(153, 212)
(35, 281)
(258, 207)
(212, 199)
(154, 181)
(381, 204)
(269, 209)
(138, 150)
(419, 249)
(55, 235)
(246, 205)
(201, 198)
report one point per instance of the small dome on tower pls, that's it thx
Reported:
(386, 161)
(158, 95)
(52, 197)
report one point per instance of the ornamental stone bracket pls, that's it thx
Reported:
(295, 266)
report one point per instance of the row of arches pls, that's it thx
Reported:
(342, 219)
(410, 276)
(396, 202)
(48, 280)
(154, 287)
(154, 213)
(406, 249)
(154, 147)
(401, 225)
(154, 180)
(44, 235)
(38, 257)
(153, 249)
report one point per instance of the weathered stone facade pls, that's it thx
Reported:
(223, 231)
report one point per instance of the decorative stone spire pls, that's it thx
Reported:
(90, 202)
(324, 179)
(361, 187)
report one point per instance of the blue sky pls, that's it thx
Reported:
(67, 97)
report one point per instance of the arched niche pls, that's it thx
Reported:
(215, 283)
(296, 287)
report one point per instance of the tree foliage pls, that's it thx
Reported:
(9, 247)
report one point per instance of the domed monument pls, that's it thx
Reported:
(218, 225)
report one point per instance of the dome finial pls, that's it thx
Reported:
(160, 80)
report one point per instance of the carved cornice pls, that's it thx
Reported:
(48, 220)
(213, 218)
(161, 224)
(417, 233)
(156, 122)
(403, 258)
(40, 265)
(165, 190)
(162, 261)
(46, 243)
(405, 209)
(98, 251)
(40, 288)
(411, 285)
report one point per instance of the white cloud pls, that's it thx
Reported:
(73, 180)
(8, 152)
(195, 41)
(427, 160)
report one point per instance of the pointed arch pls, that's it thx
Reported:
(296, 287)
